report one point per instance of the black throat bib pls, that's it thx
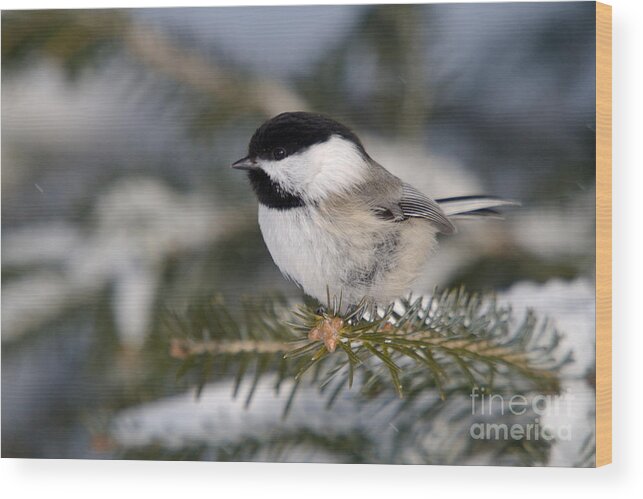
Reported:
(270, 194)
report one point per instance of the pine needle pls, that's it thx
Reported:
(452, 341)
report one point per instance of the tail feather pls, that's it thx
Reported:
(472, 215)
(466, 207)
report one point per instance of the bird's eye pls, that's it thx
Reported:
(278, 153)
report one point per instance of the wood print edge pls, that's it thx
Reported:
(603, 234)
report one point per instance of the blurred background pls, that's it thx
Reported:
(118, 204)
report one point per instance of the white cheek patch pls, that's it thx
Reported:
(323, 169)
(286, 172)
(338, 166)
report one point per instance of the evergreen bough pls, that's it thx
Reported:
(453, 341)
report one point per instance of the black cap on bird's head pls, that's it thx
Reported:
(298, 157)
(289, 133)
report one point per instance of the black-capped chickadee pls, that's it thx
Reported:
(334, 219)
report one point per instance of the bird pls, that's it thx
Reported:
(335, 221)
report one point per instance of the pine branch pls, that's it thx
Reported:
(451, 342)
(350, 447)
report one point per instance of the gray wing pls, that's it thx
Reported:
(415, 204)
(399, 201)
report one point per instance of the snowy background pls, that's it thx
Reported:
(117, 201)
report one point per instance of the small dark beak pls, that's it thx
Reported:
(245, 164)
